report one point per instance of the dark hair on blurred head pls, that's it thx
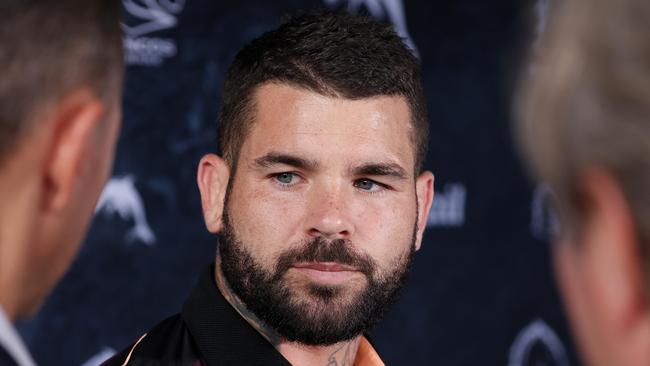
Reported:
(331, 53)
(49, 48)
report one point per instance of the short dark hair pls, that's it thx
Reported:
(330, 53)
(49, 48)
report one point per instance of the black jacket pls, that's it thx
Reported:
(208, 332)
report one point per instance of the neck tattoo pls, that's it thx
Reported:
(270, 334)
(343, 356)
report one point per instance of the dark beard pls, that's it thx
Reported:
(326, 317)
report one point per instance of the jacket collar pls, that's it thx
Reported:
(12, 344)
(222, 335)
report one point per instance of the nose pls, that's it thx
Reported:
(329, 214)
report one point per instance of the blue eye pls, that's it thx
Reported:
(366, 185)
(285, 178)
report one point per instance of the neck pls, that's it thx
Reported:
(18, 203)
(13, 261)
(23, 185)
(339, 354)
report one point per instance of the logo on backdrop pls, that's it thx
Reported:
(392, 10)
(537, 344)
(448, 209)
(544, 224)
(121, 197)
(149, 16)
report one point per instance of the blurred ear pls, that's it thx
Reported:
(73, 121)
(424, 192)
(212, 177)
(612, 261)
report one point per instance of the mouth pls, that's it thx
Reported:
(327, 273)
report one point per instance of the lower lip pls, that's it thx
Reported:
(327, 277)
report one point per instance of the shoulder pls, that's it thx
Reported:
(168, 343)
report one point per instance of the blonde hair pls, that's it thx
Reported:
(587, 104)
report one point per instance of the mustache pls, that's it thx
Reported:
(321, 250)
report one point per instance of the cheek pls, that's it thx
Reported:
(266, 223)
(385, 229)
(576, 299)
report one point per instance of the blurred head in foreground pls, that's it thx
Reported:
(584, 125)
(60, 96)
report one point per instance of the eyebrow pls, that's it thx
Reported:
(393, 170)
(381, 169)
(275, 158)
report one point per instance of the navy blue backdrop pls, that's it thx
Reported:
(481, 292)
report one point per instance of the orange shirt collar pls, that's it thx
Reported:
(366, 355)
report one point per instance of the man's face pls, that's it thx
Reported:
(321, 215)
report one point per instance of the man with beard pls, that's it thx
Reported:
(585, 128)
(318, 199)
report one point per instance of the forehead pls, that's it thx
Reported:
(295, 120)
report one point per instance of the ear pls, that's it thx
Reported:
(212, 176)
(73, 120)
(611, 258)
(424, 192)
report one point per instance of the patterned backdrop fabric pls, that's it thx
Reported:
(481, 291)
